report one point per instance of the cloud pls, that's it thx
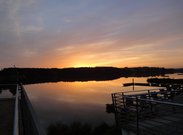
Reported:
(90, 32)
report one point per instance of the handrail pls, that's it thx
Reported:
(156, 101)
(39, 129)
(138, 91)
(163, 102)
(16, 116)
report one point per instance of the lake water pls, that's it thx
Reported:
(83, 102)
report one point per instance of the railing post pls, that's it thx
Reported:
(137, 114)
(116, 111)
(123, 99)
(172, 99)
(149, 94)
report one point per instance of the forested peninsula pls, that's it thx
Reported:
(43, 75)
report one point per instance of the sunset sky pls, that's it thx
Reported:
(75, 33)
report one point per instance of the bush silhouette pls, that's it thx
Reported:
(77, 128)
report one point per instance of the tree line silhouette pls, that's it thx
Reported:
(42, 75)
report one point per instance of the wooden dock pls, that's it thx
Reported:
(136, 84)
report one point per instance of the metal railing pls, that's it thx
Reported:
(16, 113)
(147, 114)
(24, 119)
(30, 121)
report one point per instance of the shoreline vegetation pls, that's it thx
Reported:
(78, 128)
(43, 75)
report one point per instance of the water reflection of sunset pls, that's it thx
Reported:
(75, 101)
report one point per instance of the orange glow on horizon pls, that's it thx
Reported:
(84, 65)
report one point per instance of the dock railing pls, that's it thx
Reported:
(16, 113)
(148, 114)
(30, 121)
(22, 119)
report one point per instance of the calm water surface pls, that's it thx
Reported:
(77, 101)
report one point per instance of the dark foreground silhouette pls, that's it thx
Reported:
(43, 75)
(78, 128)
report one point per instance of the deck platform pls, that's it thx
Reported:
(6, 116)
(149, 112)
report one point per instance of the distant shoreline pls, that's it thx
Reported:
(41, 75)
